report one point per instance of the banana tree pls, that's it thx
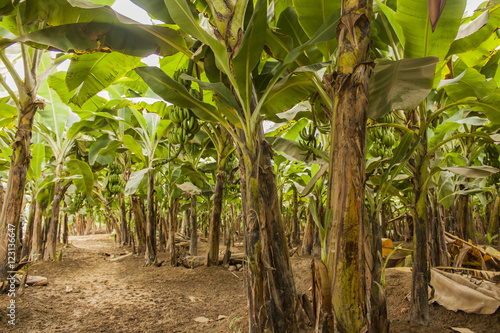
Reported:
(150, 133)
(240, 112)
(61, 146)
(27, 104)
(37, 185)
(247, 132)
(438, 35)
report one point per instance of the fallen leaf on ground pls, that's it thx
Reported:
(202, 319)
(462, 330)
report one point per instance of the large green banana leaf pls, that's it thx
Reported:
(420, 41)
(401, 84)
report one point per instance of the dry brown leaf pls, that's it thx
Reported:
(455, 292)
(202, 320)
(461, 330)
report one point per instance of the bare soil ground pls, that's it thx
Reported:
(88, 293)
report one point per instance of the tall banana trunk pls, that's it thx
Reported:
(50, 245)
(150, 255)
(215, 219)
(419, 309)
(19, 165)
(345, 258)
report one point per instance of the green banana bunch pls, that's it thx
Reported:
(324, 129)
(177, 77)
(191, 125)
(195, 93)
(377, 150)
(382, 138)
(307, 134)
(115, 182)
(114, 179)
(116, 189)
(388, 140)
(116, 168)
(178, 114)
(388, 118)
(178, 135)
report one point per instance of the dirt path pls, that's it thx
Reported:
(87, 293)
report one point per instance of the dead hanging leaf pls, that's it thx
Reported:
(461, 256)
(435, 8)
(387, 246)
(465, 253)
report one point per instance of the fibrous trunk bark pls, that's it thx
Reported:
(419, 309)
(463, 217)
(29, 232)
(283, 306)
(36, 248)
(137, 206)
(308, 241)
(495, 218)
(438, 253)
(123, 218)
(345, 236)
(65, 232)
(193, 242)
(379, 322)
(50, 245)
(215, 219)
(150, 254)
(172, 227)
(295, 235)
(10, 216)
(253, 268)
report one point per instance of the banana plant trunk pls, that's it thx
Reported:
(271, 289)
(172, 227)
(419, 309)
(283, 307)
(307, 242)
(150, 255)
(215, 219)
(50, 245)
(2, 195)
(295, 235)
(438, 253)
(253, 268)
(36, 247)
(494, 223)
(19, 165)
(137, 206)
(193, 242)
(123, 218)
(463, 217)
(65, 233)
(346, 200)
(29, 232)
